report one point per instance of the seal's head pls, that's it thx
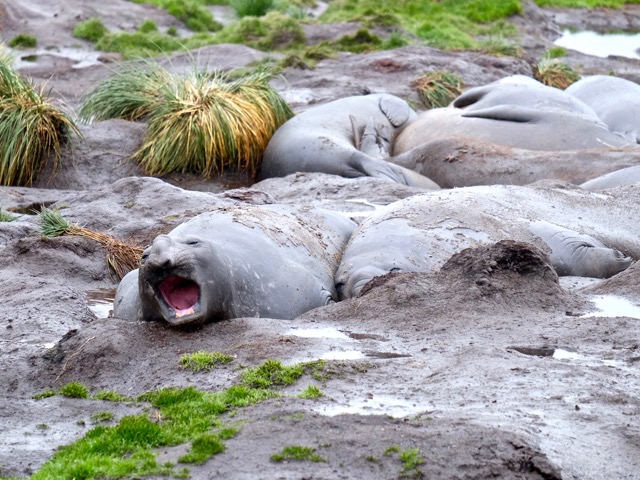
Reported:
(176, 283)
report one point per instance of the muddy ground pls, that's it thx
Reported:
(523, 377)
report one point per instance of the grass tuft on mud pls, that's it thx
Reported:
(299, 453)
(554, 73)
(198, 361)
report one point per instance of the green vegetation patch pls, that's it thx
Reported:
(447, 24)
(74, 390)
(7, 217)
(204, 360)
(31, 127)
(22, 40)
(254, 8)
(92, 30)
(411, 459)
(274, 31)
(584, 3)
(311, 392)
(100, 417)
(177, 416)
(193, 13)
(110, 396)
(298, 453)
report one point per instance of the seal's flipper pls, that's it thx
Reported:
(576, 254)
(396, 110)
(376, 140)
(506, 113)
(356, 133)
(471, 96)
(378, 168)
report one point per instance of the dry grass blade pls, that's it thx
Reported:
(438, 89)
(31, 127)
(121, 257)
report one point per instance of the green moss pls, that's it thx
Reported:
(272, 373)
(110, 396)
(74, 390)
(45, 394)
(192, 13)
(274, 31)
(91, 30)
(148, 26)
(254, 8)
(99, 417)
(204, 360)
(556, 52)
(203, 447)
(311, 392)
(23, 40)
(299, 453)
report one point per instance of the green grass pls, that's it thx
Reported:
(175, 416)
(198, 361)
(254, 8)
(32, 128)
(311, 392)
(299, 453)
(23, 40)
(201, 123)
(74, 390)
(411, 459)
(110, 396)
(192, 13)
(7, 217)
(45, 394)
(100, 417)
(92, 30)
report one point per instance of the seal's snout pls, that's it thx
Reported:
(162, 253)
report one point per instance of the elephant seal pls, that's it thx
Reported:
(617, 178)
(584, 233)
(515, 112)
(349, 137)
(615, 100)
(272, 261)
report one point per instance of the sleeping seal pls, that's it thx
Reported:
(272, 261)
(584, 233)
(350, 137)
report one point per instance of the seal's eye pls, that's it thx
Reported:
(143, 258)
(193, 242)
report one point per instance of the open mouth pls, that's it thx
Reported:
(180, 294)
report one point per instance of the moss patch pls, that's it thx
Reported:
(198, 361)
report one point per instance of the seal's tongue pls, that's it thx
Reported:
(180, 294)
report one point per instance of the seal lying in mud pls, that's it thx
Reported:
(516, 114)
(615, 100)
(350, 137)
(584, 233)
(272, 261)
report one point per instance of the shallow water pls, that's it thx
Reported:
(101, 301)
(601, 45)
(612, 306)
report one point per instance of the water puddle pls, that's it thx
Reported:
(343, 355)
(82, 58)
(101, 301)
(375, 405)
(326, 332)
(601, 45)
(612, 306)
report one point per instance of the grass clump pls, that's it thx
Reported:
(121, 257)
(410, 458)
(148, 26)
(139, 44)
(274, 31)
(254, 8)
(297, 452)
(556, 52)
(193, 13)
(74, 390)
(45, 394)
(272, 373)
(555, 73)
(204, 360)
(7, 217)
(23, 40)
(92, 30)
(203, 447)
(110, 396)
(99, 417)
(438, 89)
(311, 392)
(200, 123)
(31, 127)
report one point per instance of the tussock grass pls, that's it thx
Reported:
(254, 8)
(121, 257)
(554, 73)
(92, 30)
(200, 123)
(31, 127)
(438, 89)
(6, 216)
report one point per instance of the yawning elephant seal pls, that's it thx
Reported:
(584, 233)
(349, 137)
(272, 261)
(615, 100)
